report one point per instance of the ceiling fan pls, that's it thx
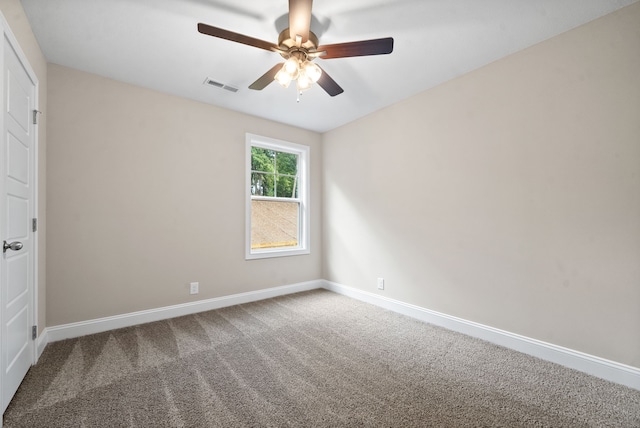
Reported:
(299, 47)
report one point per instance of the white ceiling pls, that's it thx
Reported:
(155, 44)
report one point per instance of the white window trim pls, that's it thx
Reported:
(303, 153)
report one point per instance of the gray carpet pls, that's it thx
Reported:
(313, 359)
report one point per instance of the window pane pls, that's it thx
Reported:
(262, 184)
(287, 187)
(274, 224)
(262, 159)
(287, 163)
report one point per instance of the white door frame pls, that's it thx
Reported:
(8, 34)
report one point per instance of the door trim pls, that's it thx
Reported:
(13, 42)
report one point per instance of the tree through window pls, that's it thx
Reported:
(273, 173)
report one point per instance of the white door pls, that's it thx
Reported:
(16, 212)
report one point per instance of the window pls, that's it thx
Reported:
(277, 188)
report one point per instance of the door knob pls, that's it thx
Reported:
(15, 246)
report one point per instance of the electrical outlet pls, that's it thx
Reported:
(194, 286)
(380, 283)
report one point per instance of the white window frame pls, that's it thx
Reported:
(303, 153)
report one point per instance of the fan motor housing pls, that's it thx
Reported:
(287, 43)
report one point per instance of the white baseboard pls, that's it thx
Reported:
(68, 331)
(595, 366)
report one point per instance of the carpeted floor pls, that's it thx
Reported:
(313, 359)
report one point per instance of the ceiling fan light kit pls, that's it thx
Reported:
(298, 65)
(298, 45)
(303, 71)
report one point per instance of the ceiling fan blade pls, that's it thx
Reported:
(329, 85)
(235, 37)
(266, 78)
(361, 48)
(300, 19)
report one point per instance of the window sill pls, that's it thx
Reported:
(271, 253)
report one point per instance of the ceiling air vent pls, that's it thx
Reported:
(219, 85)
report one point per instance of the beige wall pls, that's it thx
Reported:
(509, 196)
(146, 194)
(21, 29)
